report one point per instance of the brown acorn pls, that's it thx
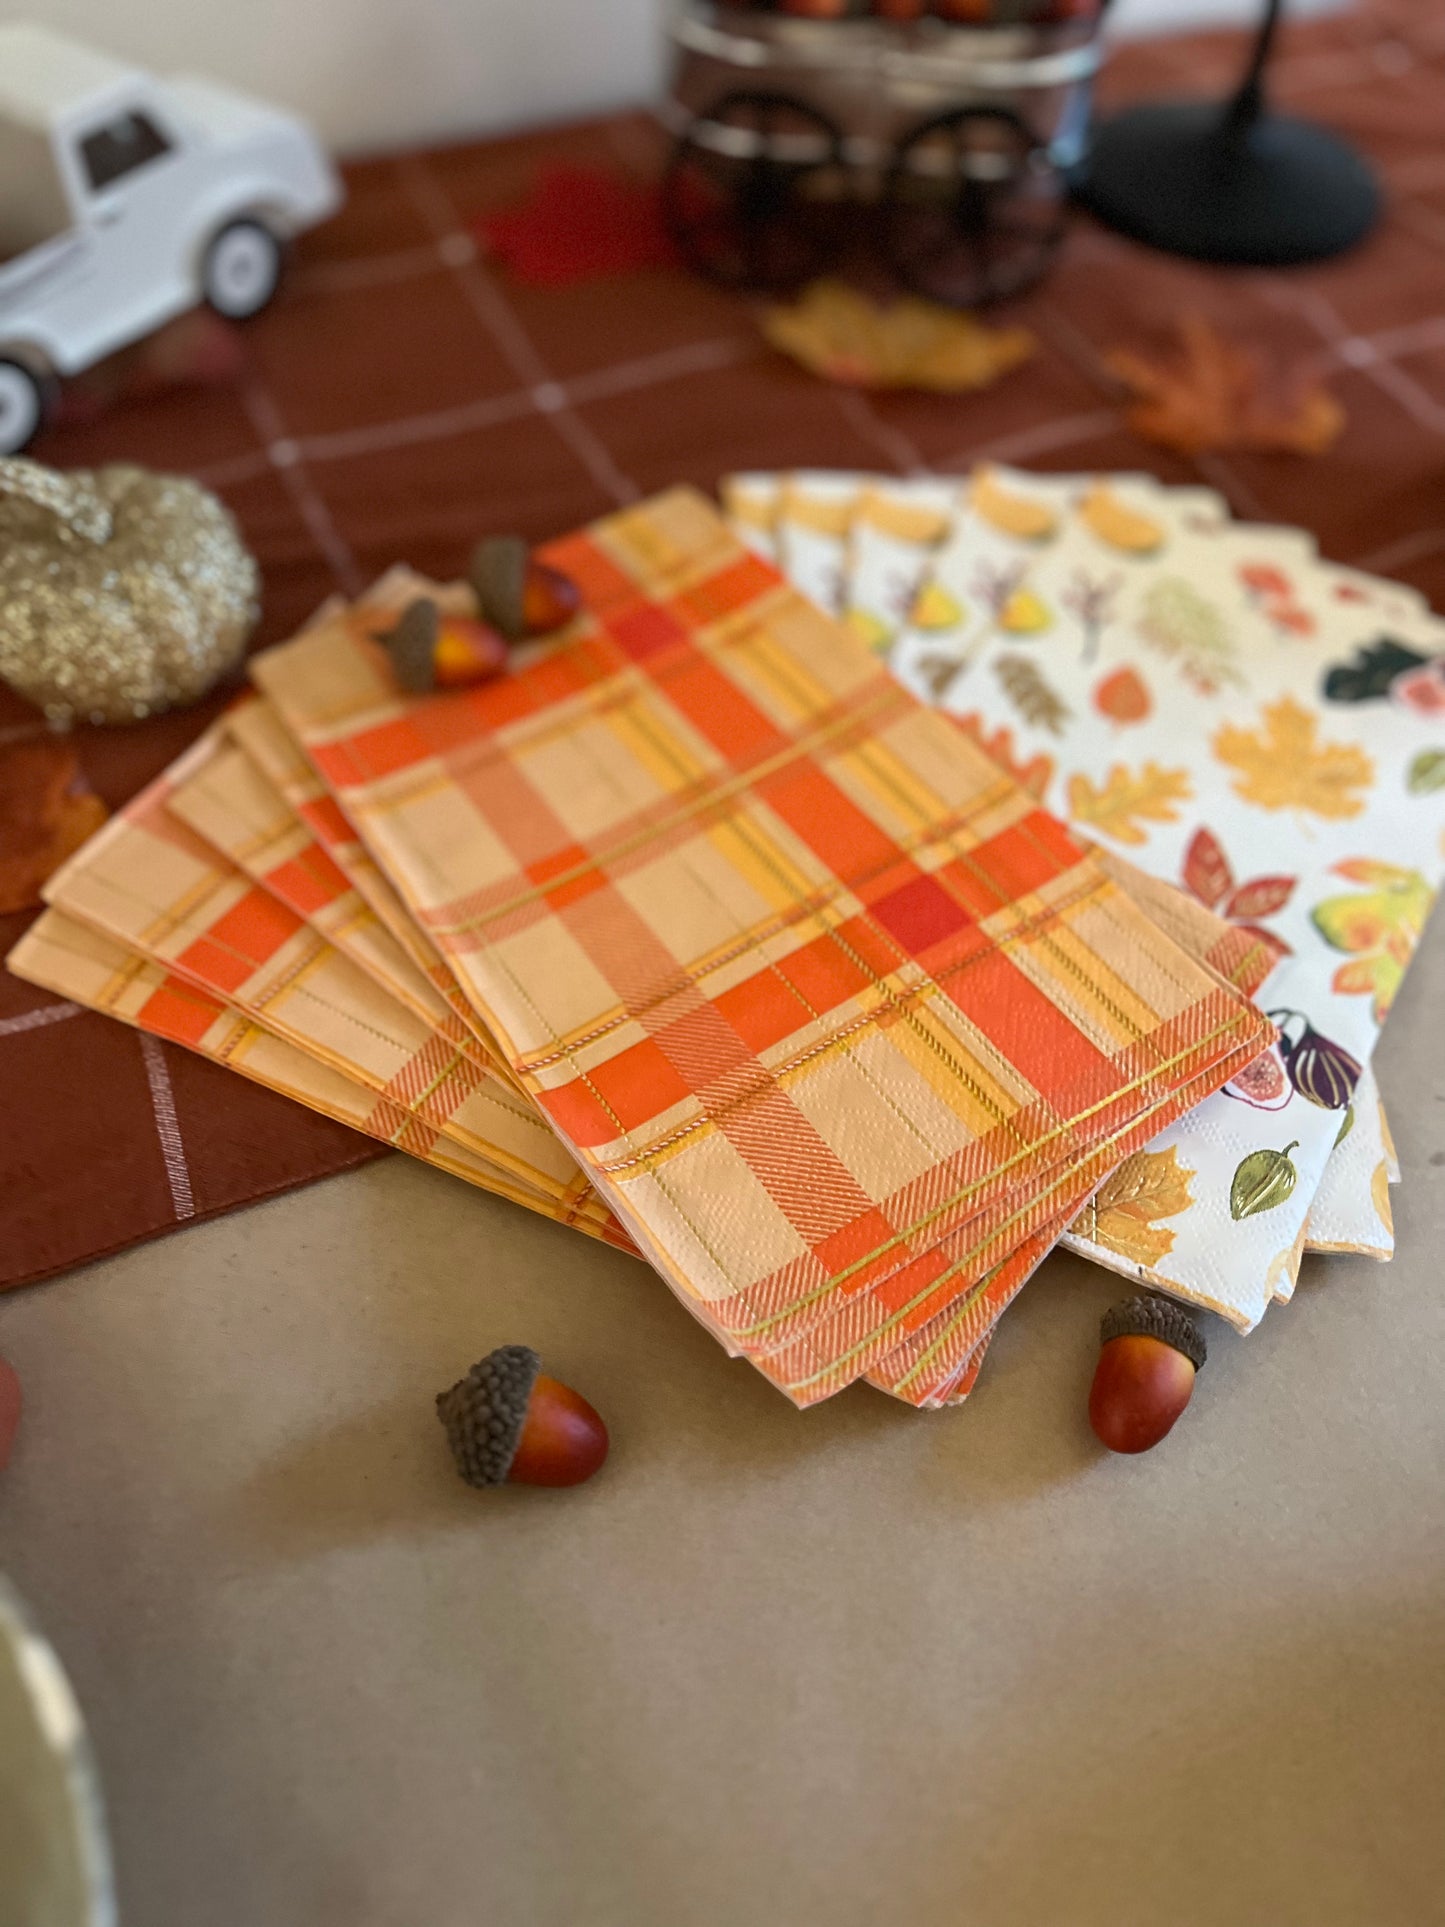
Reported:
(431, 651)
(507, 1422)
(520, 595)
(1152, 1351)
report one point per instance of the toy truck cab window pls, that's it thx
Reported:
(126, 142)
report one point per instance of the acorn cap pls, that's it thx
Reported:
(1156, 1318)
(498, 575)
(412, 646)
(484, 1412)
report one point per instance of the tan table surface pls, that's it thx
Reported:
(857, 1667)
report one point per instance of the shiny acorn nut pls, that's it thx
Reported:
(431, 651)
(1152, 1352)
(520, 595)
(508, 1423)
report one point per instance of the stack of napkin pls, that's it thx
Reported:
(1256, 726)
(696, 930)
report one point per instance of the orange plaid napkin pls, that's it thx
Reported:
(232, 804)
(837, 1020)
(256, 730)
(75, 961)
(152, 885)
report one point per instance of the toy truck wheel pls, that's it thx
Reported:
(24, 399)
(241, 269)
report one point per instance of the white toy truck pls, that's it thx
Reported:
(125, 200)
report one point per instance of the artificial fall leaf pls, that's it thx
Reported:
(839, 333)
(47, 810)
(1212, 394)
(1377, 930)
(578, 224)
(1283, 766)
(998, 745)
(1121, 1214)
(1125, 801)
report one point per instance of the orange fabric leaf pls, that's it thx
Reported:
(1214, 394)
(47, 810)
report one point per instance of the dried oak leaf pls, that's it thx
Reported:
(1284, 766)
(1215, 394)
(837, 332)
(1121, 1214)
(1125, 801)
(47, 810)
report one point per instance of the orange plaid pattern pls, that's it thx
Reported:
(151, 884)
(838, 1020)
(258, 732)
(229, 802)
(73, 960)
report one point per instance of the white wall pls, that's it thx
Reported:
(376, 73)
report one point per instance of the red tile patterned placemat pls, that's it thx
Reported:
(402, 398)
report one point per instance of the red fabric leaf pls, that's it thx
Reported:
(1206, 870)
(577, 224)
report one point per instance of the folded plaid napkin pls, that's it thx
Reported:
(153, 886)
(837, 1020)
(73, 960)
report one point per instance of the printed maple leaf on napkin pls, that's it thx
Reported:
(1212, 394)
(1124, 802)
(1121, 1214)
(1284, 766)
(837, 332)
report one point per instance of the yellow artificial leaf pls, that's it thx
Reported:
(1121, 1214)
(1284, 766)
(1118, 808)
(837, 332)
(1380, 1195)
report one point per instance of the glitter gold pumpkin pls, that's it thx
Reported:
(122, 593)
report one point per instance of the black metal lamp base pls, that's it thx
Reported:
(1205, 180)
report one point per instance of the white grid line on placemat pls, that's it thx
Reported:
(284, 456)
(627, 377)
(459, 251)
(1042, 439)
(38, 1019)
(863, 418)
(1357, 351)
(168, 1128)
